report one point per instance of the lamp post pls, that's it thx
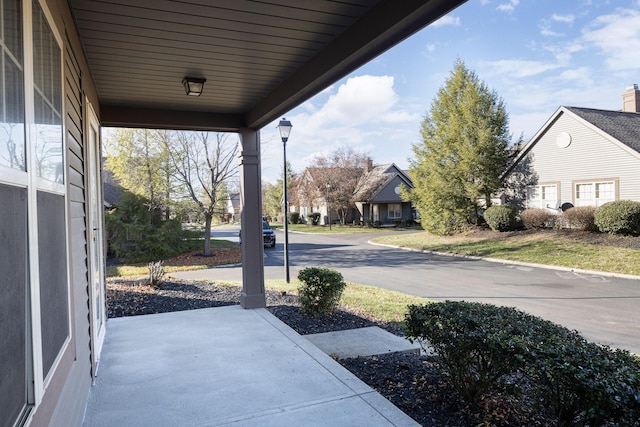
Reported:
(285, 129)
(328, 206)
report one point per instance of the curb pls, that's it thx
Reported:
(510, 262)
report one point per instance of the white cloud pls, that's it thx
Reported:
(516, 68)
(617, 37)
(508, 7)
(358, 112)
(447, 20)
(567, 19)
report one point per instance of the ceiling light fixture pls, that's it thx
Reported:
(193, 86)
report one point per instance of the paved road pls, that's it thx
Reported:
(603, 309)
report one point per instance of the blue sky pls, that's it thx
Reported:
(536, 54)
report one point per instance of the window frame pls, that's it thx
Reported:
(37, 380)
(540, 203)
(596, 201)
(397, 213)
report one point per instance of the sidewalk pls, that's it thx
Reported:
(222, 366)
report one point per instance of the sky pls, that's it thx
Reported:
(537, 55)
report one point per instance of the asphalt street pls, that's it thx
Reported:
(604, 309)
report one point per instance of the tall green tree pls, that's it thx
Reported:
(464, 150)
(141, 165)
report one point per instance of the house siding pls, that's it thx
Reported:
(591, 156)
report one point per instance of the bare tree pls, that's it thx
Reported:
(337, 176)
(205, 168)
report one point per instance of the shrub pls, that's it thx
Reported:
(294, 218)
(484, 348)
(619, 217)
(581, 218)
(314, 217)
(479, 345)
(156, 274)
(320, 290)
(502, 217)
(137, 234)
(537, 218)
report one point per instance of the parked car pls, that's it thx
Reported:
(268, 235)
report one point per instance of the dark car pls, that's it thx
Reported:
(268, 235)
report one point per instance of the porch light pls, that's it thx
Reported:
(193, 86)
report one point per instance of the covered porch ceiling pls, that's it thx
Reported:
(260, 59)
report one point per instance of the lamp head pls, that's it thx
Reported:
(284, 126)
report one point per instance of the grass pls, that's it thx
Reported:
(173, 265)
(388, 306)
(559, 249)
(336, 228)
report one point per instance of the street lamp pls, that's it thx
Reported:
(328, 206)
(285, 129)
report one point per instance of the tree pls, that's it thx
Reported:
(340, 171)
(204, 168)
(141, 165)
(464, 150)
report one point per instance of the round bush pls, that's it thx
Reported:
(537, 218)
(502, 217)
(619, 217)
(320, 290)
(580, 218)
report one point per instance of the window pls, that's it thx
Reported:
(395, 210)
(34, 246)
(47, 99)
(12, 126)
(595, 193)
(542, 196)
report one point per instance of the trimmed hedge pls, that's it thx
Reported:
(485, 349)
(581, 218)
(320, 290)
(619, 217)
(502, 217)
(537, 218)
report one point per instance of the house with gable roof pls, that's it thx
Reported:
(378, 195)
(585, 156)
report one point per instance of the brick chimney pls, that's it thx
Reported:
(369, 165)
(631, 99)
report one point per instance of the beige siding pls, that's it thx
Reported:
(590, 156)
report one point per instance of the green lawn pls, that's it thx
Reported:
(323, 229)
(550, 248)
(388, 306)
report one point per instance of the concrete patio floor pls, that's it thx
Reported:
(221, 366)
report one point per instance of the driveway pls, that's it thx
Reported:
(604, 309)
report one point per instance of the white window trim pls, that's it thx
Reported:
(544, 203)
(35, 184)
(613, 181)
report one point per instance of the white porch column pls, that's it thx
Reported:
(253, 295)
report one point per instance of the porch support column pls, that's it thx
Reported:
(253, 294)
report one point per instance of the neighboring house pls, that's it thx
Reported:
(586, 157)
(377, 195)
(233, 208)
(317, 192)
(111, 189)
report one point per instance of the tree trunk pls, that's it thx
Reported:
(207, 234)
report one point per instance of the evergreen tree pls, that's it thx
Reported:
(464, 150)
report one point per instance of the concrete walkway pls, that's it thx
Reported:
(222, 366)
